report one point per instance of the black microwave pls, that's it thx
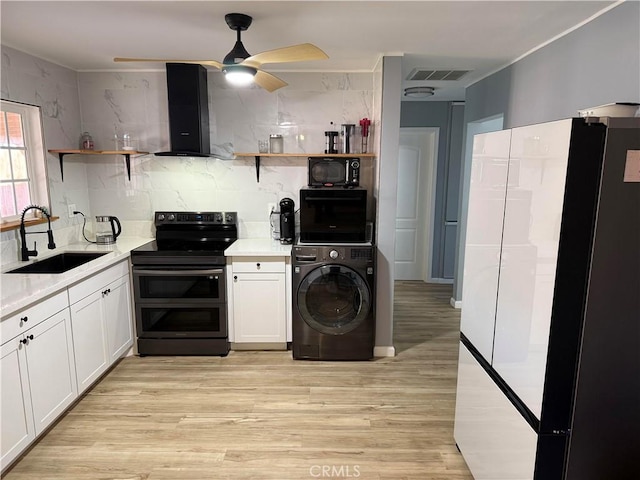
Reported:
(333, 172)
(333, 215)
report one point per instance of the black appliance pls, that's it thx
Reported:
(287, 221)
(333, 302)
(331, 171)
(188, 110)
(179, 284)
(333, 215)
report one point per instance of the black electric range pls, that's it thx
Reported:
(179, 284)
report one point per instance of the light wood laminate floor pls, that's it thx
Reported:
(262, 415)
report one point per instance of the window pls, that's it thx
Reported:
(23, 178)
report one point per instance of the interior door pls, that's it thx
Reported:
(414, 214)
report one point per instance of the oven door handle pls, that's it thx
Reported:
(164, 271)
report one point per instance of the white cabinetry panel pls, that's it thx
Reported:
(118, 318)
(498, 444)
(484, 235)
(537, 171)
(16, 415)
(87, 320)
(259, 313)
(52, 375)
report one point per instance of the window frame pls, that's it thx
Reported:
(36, 158)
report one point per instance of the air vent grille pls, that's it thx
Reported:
(361, 254)
(445, 75)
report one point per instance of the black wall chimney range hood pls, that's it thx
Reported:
(188, 110)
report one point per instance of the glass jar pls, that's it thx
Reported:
(276, 144)
(86, 142)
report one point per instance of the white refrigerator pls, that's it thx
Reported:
(549, 367)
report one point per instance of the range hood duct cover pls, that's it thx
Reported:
(188, 110)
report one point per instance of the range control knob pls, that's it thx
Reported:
(334, 254)
(161, 217)
(172, 217)
(229, 218)
(219, 217)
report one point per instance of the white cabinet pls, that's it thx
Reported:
(15, 402)
(102, 322)
(258, 311)
(38, 374)
(119, 320)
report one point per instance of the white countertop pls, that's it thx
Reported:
(257, 247)
(19, 290)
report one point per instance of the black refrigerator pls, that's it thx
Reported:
(549, 367)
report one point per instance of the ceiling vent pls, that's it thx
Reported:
(445, 75)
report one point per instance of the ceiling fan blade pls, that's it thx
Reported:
(210, 63)
(294, 53)
(269, 82)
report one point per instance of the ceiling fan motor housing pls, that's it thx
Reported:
(238, 22)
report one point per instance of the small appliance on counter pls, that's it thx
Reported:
(287, 221)
(106, 231)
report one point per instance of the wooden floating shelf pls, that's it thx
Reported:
(315, 155)
(15, 224)
(126, 153)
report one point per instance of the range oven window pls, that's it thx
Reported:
(181, 320)
(179, 284)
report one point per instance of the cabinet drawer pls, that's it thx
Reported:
(32, 316)
(86, 287)
(258, 264)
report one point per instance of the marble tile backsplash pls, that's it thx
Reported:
(110, 103)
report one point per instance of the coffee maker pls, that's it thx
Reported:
(287, 221)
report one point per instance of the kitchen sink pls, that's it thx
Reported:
(60, 263)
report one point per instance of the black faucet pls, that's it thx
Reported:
(25, 252)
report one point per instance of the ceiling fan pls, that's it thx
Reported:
(241, 68)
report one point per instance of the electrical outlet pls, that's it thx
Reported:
(72, 208)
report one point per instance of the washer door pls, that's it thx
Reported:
(333, 299)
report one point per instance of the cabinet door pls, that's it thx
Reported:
(52, 375)
(119, 323)
(489, 168)
(16, 419)
(259, 312)
(89, 339)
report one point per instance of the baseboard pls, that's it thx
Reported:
(258, 346)
(440, 280)
(384, 351)
(455, 303)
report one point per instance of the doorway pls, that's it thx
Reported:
(418, 148)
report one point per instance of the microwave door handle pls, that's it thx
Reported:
(164, 271)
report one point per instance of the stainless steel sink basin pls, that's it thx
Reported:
(63, 262)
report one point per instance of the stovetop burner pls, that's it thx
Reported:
(189, 238)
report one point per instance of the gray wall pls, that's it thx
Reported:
(598, 63)
(449, 118)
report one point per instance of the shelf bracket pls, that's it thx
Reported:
(258, 168)
(127, 159)
(60, 157)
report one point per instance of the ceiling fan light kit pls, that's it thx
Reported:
(419, 92)
(239, 75)
(241, 68)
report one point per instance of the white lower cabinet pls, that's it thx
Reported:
(258, 289)
(38, 381)
(102, 323)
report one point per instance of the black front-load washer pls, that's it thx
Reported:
(333, 302)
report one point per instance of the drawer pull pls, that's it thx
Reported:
(258, 265)
(24, 319)
(235, 278)
(26, 339)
